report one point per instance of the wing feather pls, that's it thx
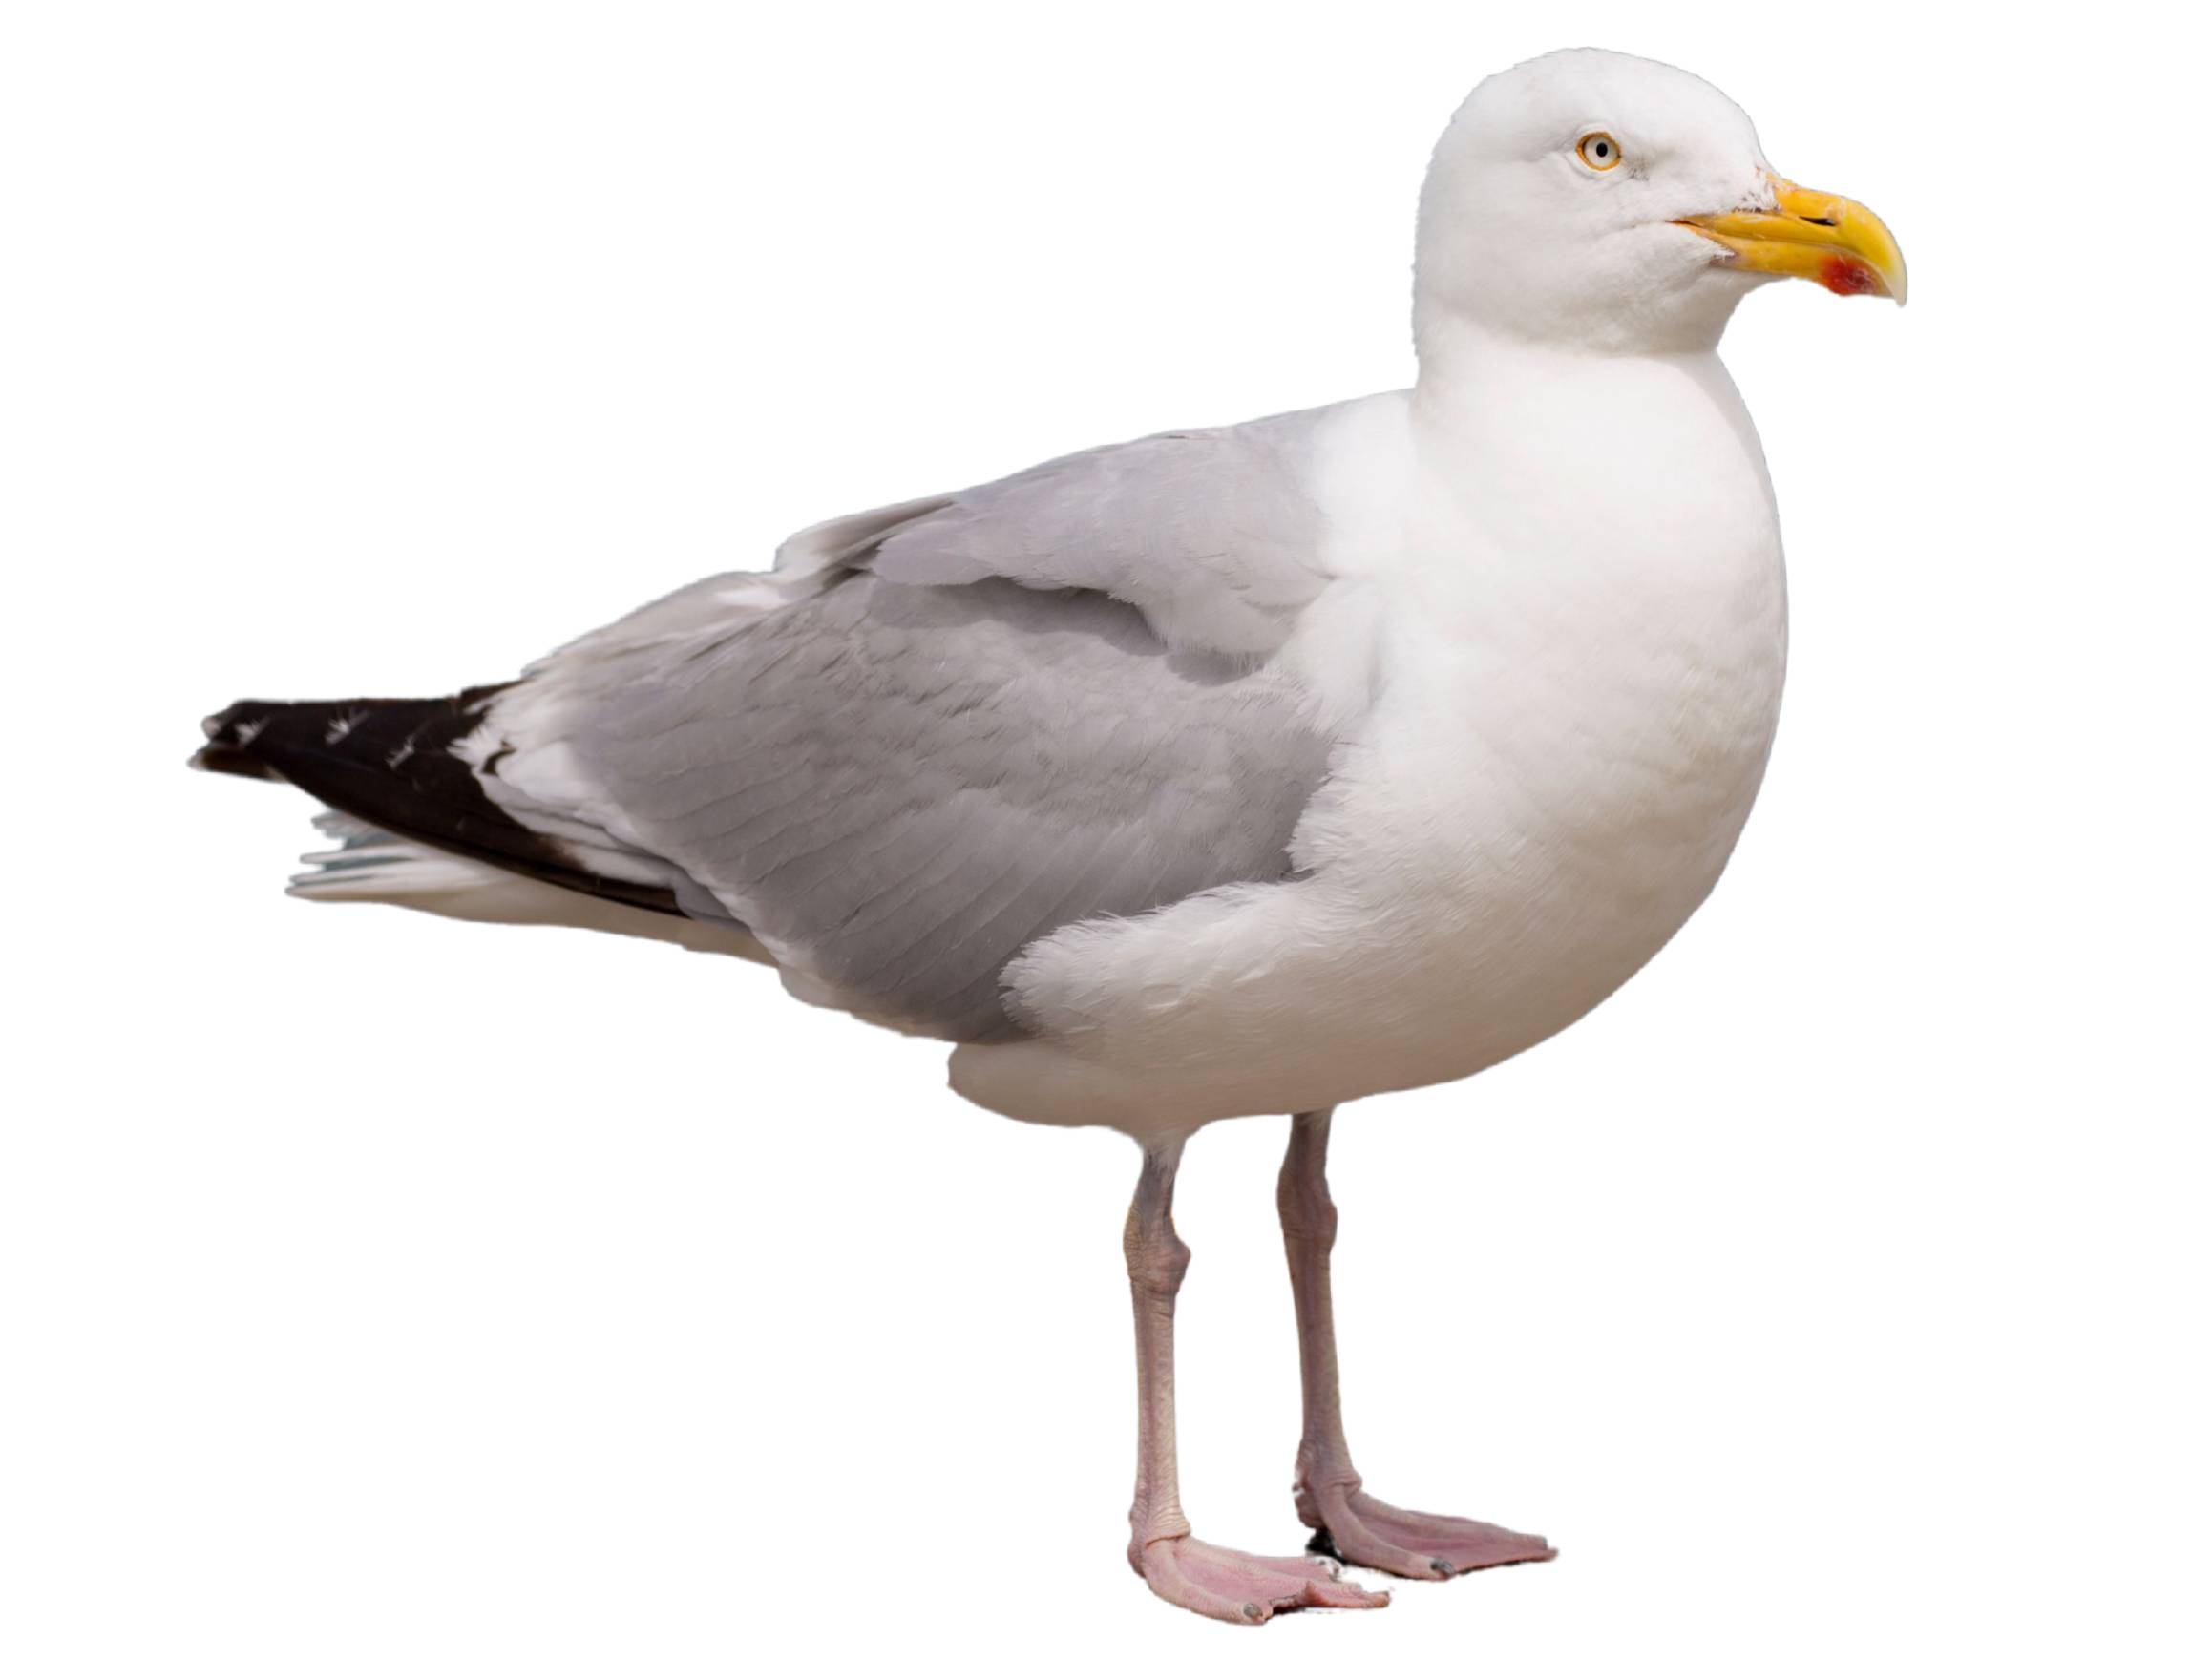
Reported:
(937, 732)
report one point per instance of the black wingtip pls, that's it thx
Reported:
(231, 763)
(229, 735)
(390, 761)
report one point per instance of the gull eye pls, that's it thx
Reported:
(1600, 152)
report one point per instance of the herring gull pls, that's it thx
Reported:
(1250, 770)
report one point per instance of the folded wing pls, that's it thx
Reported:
(941, 731)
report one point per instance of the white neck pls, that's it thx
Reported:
(1453, 345)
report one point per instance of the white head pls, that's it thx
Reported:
(1598, 202)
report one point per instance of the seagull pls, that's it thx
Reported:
(1251, 769)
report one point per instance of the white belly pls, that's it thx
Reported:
(1567, 718)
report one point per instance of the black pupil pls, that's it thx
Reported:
(1599, 149)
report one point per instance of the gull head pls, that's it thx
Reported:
(1591, 199)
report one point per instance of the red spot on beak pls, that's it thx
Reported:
(1843, 275)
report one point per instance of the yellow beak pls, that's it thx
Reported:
(1829, 239)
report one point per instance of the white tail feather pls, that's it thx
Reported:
(374, 866)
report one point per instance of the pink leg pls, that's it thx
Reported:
(1222, 1583)
(1348, 1524)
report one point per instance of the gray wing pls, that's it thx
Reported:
(1213, 535)
(943, 730)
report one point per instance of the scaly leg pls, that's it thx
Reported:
(1348, 1524)
(1222, 1583)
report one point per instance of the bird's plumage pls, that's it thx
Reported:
(897, 786)
(1245, 770)
(935, 734)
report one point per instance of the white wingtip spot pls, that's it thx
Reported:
(475, 747)
(341, 725)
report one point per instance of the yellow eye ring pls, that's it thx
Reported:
(1600, 152)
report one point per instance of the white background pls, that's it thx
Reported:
(372, 1285)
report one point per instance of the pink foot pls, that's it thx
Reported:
(1244, 1589)
(1367, 1532)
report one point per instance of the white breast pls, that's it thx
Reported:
(1556, 644)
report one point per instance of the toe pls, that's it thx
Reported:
(1352, 1539)
(1249, 1590)
(1328, 1592)
(1452, 1546)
